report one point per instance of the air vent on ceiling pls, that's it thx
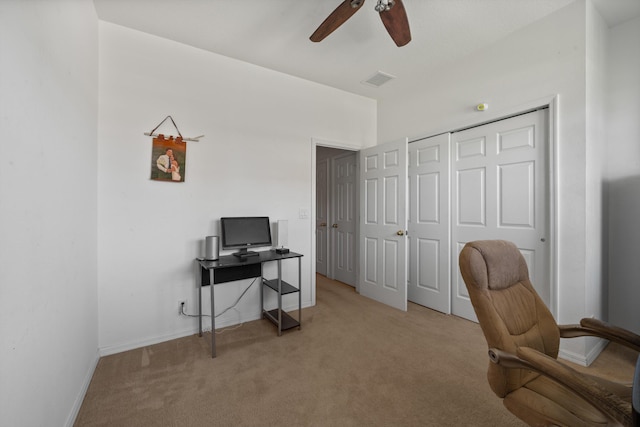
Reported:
(378, 79)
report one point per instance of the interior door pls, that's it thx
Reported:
(500, 191)
(383, 247)
(322, 216)
(429, 218)
(344, 218)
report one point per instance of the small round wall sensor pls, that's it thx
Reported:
(482, 107)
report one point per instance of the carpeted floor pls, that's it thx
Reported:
(355, 362)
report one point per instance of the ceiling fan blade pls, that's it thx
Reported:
(396, 22)
(344, 11)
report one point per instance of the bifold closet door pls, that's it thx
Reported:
(500, 191)
(429, 223)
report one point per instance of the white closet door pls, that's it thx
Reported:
(383, 223)
(500, 191)
(429, 231)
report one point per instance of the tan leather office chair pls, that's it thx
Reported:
(524, 340)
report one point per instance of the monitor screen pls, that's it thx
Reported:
(245, 232)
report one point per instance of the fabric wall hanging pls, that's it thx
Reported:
(168, 159)
(169, 155)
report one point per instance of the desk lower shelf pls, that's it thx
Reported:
(280, 287)
(288, 322)
(285, 287)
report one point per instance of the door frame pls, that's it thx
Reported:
(315, 143)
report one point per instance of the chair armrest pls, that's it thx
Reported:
(598, 328)
(600, 398)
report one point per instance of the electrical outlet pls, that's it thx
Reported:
(182, 306)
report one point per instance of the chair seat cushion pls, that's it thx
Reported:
(542, 401)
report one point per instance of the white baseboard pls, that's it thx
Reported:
(581, 359)
(75, 409)
(132, 345)
(191, 330)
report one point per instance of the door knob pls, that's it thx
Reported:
(335, 226)
(400, 233)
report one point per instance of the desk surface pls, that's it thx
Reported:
(234, 261)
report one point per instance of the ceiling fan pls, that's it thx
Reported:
(392, 13)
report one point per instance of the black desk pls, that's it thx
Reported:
(230, 268)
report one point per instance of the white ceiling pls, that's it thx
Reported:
(275, 33)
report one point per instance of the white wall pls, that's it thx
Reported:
(623, 140)
(255, 159)
(48, 209)
(546, 58)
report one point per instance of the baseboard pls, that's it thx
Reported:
(581, 359)
(132, 345)
(191, 330)
(75, 409)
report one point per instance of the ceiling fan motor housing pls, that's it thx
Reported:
(384, 5)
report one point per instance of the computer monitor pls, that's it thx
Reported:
(244, 233)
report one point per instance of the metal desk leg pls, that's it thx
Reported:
(213, 316)
(200, 302)
(299, 293)
(279, 297)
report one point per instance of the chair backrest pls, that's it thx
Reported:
(510, 311)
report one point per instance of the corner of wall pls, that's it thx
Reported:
(77, 404)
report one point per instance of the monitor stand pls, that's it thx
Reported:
(243, 253)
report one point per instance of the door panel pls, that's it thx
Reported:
(472, 197)
(515, 195)
(501, 192)
(383, 177)
(429, 236)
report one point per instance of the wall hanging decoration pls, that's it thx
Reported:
(169, 155)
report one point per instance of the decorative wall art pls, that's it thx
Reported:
(168, 159)
(169, 155)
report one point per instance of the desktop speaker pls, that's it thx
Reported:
(282, 236)
(283, 233)
(211, 248)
